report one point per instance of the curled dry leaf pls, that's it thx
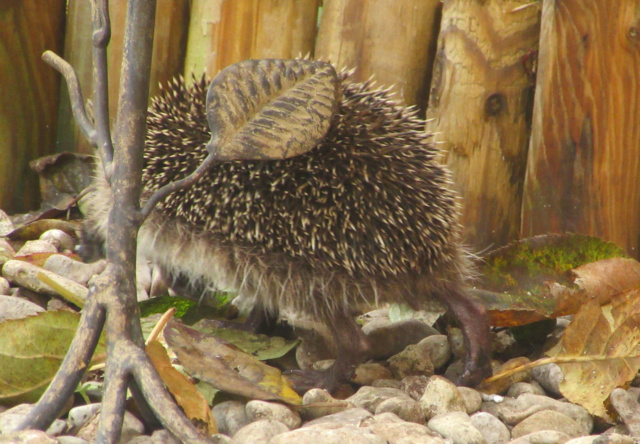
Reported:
(186, 394)
(270, 109)
(600, 351)
(226, 367)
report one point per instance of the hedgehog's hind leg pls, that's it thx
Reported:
(261, 320)
(474, 323)
(352, 348)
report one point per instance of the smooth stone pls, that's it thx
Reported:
(493, 430)
(316, 395)
(547, 420)
(6, 226)
(230, 417)
(352, 416)
(6, 251)
(27, 436)
(392, 428)
(161, 436)
(441, 396)
(387, 383)
(405, 408)
(422, 358)
(258, 410)
(414, 386)
(337, 435)
(520, 388)
(75, 270)
(628, 408)
(25, 275)
(456, 343)
(59, 239)
(370, 397)
(391, 338)
(12, 307)
(542, 437)
(512, 411)
(68, 439)
(367, 373)
(609, 438)
(11, 418)
(4, 286)
(78, 416)
(36, 246)
(457, 427)
(472, 399)
(549, 376)
(259, 432)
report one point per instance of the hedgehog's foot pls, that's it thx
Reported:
(474, 324)
(352, 348)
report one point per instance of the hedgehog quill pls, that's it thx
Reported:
(366, 216)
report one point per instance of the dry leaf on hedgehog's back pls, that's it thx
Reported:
(602, 350)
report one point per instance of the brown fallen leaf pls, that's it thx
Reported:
(184, 391)
(605, 342)
(226, 367)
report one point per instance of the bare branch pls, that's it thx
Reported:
(70, 373)
(177, 185)
(75, 94)
(101, 37)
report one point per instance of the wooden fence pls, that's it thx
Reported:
(536, 104)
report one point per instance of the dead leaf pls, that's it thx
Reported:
(34, 229)
(226, 367)
(31, 351)
(186, 394)
(600, 351)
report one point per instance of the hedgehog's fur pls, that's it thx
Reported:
(366, 216)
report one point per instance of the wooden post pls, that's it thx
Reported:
(583, 172)
(392, 40)
(480, 102)
(223, 32)
(172, 18)
(29, 94)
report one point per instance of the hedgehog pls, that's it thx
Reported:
(367, 216)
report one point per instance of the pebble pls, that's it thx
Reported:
(441, 396)
(11, 418)
(547, 420)
(339, 435)
(12, 307)
(4, 286)
(258, 410)
(491, 428)
(414, 386)
(549, 376)
(6, 226)
(422, 358)
(230, 417)
(610, 438)
(36, 246)
(629, 410)
(512, 411)
(6, 251)
(75, 270)
(352, 416)
(404, 407)
(25, 274)
(370, 397)
(542, 437)
(59, 239)
(259, 432)
(472, 399)
(457, 427)
(395, 430)
(367, 373)
(520, 388)
(391, 338)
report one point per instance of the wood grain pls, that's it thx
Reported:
(28, 95)
(583, 171)
(392, 40)
(480, 103)
(223, 32)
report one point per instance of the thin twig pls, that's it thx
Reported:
(101, 37)
(177, 185)
(75, 94)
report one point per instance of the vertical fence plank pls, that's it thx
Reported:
(223, 32)
(393, 40)
(480, 103)
(28, 95)
(584, 161)
(172, 19)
